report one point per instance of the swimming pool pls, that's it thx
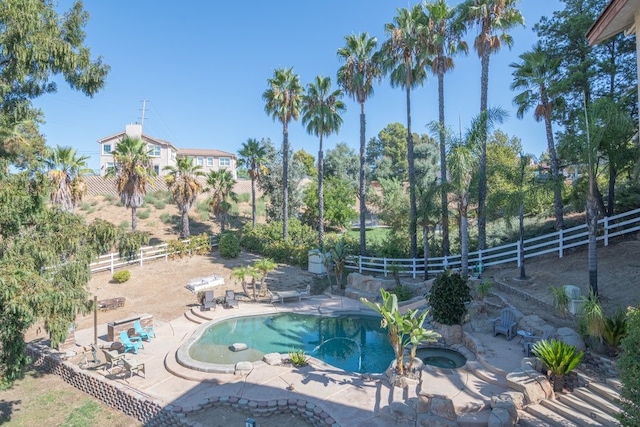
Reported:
(353, 343)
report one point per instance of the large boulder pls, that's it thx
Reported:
(532, 323)
(571, 337)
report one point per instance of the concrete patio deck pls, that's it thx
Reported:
(351, 399)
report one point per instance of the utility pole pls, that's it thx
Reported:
(144, 107)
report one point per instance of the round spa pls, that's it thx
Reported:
(353, 343)
(441, 357)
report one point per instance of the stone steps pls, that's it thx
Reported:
(590, 411)
(479, 370)
(602, 403)
(570, 413)
(548, 416)
(193, 318)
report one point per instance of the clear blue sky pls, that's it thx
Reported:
(202, 68)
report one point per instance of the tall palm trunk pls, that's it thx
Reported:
(592, 223)
(521, 231)
(464, 242)
(185, 222)
(613, 173)
(443, 167)
(320, 195)
(425, 248)
(482, 179)
(285, 181)
(134, 218)
(555, 169)
(361, 193)
(253, 200)
(412, 179)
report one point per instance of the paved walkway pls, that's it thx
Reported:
(351, 399)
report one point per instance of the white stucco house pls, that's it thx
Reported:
(164, 153)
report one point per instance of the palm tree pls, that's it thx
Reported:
(221, 187)
(403, 55)
(253, 155)
(321, 108)
(464, 160)
(356, 77)
(533, 75)
(491, 16)
(185, 187)
(445, 41)
(283, 101)
(428, 212)
(264, 266)
(65, 171)
(132, 170)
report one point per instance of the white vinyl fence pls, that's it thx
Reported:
(558, 242)
(145, 254)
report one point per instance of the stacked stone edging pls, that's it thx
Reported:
(300, 407)
(522, 294)
(116, 395)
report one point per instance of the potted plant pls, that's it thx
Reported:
(559, 358)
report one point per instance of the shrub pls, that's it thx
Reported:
(143, 214)
(121, 276)
(559, 358)
(483, 289)
(177, 248)
(615, 329)
(560, 299)
(297, 357)
(266, 239)
(84, 206)
(229, 245)
(109, 197)
(244, 197)
(629, 366)
(404, 293)
(167, 218)
(448, 296)
(160, 204)
(130, 244)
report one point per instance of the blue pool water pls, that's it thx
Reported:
(352, 343)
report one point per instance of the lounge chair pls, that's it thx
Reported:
(505, 324)
(130, 343)
(230, 300)
(529, 341)
(144, 332)
(113, 359)
(306, 293)
(133, 367)
(209, 301)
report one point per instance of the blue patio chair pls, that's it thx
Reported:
(130, 343)
(505, 324)
(144, 332)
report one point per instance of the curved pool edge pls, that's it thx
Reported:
(184, 359)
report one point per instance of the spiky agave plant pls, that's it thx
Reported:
(615, 329)
(559, 358)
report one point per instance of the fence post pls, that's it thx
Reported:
(360, 264)
(561, 244)
(445, 263)
(518, 249)
(384, 266)
(606, 230)
(111, 262)
(141, 256)
(413, 262)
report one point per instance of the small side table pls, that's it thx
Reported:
(523, 334)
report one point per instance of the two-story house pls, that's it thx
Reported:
(164, 153)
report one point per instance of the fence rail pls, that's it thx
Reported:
(557, 242)
(147, 253)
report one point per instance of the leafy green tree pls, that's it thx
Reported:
(35, 238)
(185, 187)
(307, 160)
(321, 109)
(448, 297)
(253, 155)
(629, 365)
(66, 171)
(428, 215)
(445, 41)
(283, 99)
(241, 273)
(132, 171)
(494, 18)
(37, 44)
(533, 75)
(342, 163)
(264, 266)
(403, 56)
(221, 188)
(339, 200)
(356, 77)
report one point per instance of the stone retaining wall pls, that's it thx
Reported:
(309, 411)
(116, 395)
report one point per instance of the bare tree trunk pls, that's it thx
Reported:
(320, 196)
(134, 218)
(482, 178)
(285, 181)
(592, 223)
(412, 181)
(185, 223)
(253, 200)
(425, 247)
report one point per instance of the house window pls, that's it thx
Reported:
(173, 155)
(156, 169)
(110, 165)
(224, 162)
(200, 161)
(154, 151)
(106, 149)
(209, 161)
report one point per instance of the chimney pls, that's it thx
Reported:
(133, 131)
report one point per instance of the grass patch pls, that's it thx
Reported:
(84, 206)
(109, 198)
(124, 224)
(167, 218)
(160, 204)
(143, 214)
(244, 197)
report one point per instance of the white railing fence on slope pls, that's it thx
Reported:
(557, 242)
(147, 253)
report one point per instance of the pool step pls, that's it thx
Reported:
(192, 317)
